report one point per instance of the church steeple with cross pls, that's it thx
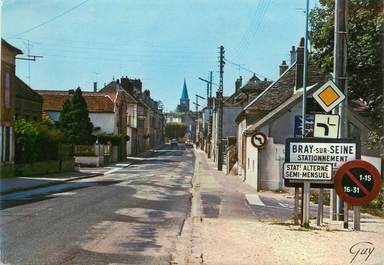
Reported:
(184, 100)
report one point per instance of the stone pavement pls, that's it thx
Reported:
(224, 229)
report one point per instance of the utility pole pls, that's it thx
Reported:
(340, 79)
(29, 63)
(307, 185)
(210, 83)
(197, 117)
(209, 107)
(219, 96)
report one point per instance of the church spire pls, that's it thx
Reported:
(184, 100)
(184, 94)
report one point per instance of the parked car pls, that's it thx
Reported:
(174, 142)
(189, 143)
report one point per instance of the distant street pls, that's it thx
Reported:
(130, 216)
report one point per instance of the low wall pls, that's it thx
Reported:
(43, 168)
(7, 170)
(90, 160)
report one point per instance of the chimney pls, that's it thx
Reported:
(238, 83)
(293, 55)
(126, 85)
(299, 65)
(147, 93)
(94, 86)
(283, 67)
(138, 85)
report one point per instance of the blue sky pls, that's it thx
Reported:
(159, 41)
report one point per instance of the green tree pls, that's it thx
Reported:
(36, 140)
(74, 120)
(175, 130)
(365, 51)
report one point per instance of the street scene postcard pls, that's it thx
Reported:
(192, 132)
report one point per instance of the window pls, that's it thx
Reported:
(7, 97)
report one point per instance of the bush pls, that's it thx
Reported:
(109, 137)
(175, 130)
(378, 203)
(84, 150)
(85, 153)
(314, 197)
(36, 141)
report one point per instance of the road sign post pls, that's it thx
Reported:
(307, 172)
(328, 96)
(320, 207)
(357, 182)
(259, 140)
(320, 152)
(306, 188)
(326, 126)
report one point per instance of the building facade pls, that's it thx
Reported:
(7, 107)
(29, 104)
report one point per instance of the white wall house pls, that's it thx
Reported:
(100, 107)
(273, 113)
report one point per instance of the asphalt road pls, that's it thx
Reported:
(130, 216)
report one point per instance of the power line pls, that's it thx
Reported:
(246, 69)
(254, 26)
(51, 19)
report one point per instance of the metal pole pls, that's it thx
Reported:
(320, 208)
(220, 123)
(306, 188)
(346, 215)
(210, 116)
(210, 83)
(356, 218)
(340, 73)
(296, 207)
(334, 209)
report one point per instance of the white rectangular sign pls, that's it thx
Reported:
(307, 171)
(336, 153)
(326, 126)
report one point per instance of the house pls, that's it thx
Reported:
(146, 118)
(106, 112)
(232, 106)
(29, 104)
(7, 107)
(115, 89)
(273, 113)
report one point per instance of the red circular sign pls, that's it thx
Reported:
(357, 182)
(259, 140)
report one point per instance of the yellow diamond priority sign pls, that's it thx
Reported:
(328, 96)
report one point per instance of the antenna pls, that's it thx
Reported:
(29, 58)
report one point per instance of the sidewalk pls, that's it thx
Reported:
(9, 185)
(224, 230)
